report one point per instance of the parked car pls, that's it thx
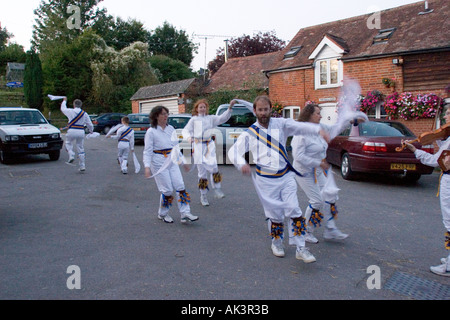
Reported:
(26, 131)
(370, 147)
(139, 122)
(227, 133)
(106, 121)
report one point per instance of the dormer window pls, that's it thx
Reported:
(292, 52)
(383, 35)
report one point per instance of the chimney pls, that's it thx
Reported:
(427, 9)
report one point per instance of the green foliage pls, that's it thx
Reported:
(33, 81)
(120, 34)
(167, 40)
(67, 69)
(117, 75)
(169, 69)
(53, 17)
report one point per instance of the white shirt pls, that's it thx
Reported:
(265, 157)
(432, 159)
(72, 113)
(200, 127)
(120, 130)
(309, 150)
(158, 139)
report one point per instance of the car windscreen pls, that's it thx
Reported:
(383, 129)
(21, 117)
(139, 119)
(240, 117)
(178, 122)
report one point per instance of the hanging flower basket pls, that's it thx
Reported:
(370, 100)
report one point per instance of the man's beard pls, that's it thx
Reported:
(264, 120)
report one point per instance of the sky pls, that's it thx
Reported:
(210, 22)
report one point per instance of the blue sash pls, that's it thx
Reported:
(124, 134)
(272, 144)
(72, 124)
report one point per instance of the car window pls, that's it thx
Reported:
(240, 117)
(178, 122)
(139, 118)
(383, 129)
(21, 117)
(346, 131)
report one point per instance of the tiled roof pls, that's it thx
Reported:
(414, 33)
(163, 90)
(242, 73)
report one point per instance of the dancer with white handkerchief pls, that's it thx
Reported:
(78, 119)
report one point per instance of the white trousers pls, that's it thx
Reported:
(312, 184)
(123, 153)
(168, 181)
(75, 139)
(204, 156)
(283, 189)
(444, 197)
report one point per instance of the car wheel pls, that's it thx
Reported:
(346, 170)
(54, 155)
(106, 130)
(5, 158)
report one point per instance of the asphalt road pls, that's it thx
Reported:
(105, 223)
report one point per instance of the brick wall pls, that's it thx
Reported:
(135, 106)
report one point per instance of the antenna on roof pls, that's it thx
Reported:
(427, 9)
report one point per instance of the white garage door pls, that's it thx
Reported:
(171, 104)
(328, 112)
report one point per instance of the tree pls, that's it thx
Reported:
(4, 37)
(247, 46)
(33, 81)
(169, 69)
(61, 21)
(120, 33)
(166, 40)
(117, 75)
(67, 67)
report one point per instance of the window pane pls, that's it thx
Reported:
(334, 71)
(323, 73)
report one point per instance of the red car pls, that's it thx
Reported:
(370, 147)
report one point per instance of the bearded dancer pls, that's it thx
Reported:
(275, 177)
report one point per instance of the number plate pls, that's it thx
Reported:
(234, 135)
(403, 166)
(37, 145)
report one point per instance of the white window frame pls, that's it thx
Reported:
(327, 50)
(317, 75)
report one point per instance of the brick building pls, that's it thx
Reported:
(408, 44)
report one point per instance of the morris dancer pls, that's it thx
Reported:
(75, 131)
(444, 190)
(161, 154)
(198, 131)
(125, 135)
(274, 180)
(309, 153)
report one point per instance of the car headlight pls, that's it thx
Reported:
(55, 136)
(12, 138)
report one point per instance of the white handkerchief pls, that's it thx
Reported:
(53, 98)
